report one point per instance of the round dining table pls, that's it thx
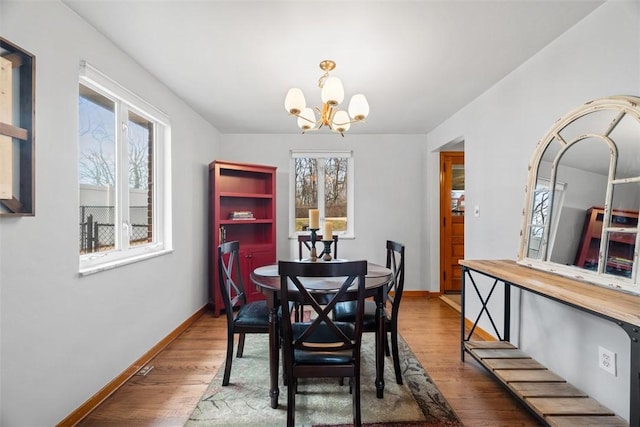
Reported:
(267, 281)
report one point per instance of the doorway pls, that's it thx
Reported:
(452, 208)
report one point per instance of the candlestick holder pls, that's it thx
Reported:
(327, 249)
(314, 238)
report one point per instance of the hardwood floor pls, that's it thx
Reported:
(182, 372)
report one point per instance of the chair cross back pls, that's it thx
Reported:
(343, 342)
(234, 291)
(396, 285)
(291, 271)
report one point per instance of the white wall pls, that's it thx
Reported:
(598, 57)
(64, 337)
(388, 190)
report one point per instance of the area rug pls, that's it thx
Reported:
(323, 402)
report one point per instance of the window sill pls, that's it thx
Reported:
(95, 267)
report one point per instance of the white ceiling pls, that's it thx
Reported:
(417, 62)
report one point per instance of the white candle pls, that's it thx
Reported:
(327, 234)
(314, 218)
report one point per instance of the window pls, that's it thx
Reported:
(322, 180)
(542, 196)
(123, 175)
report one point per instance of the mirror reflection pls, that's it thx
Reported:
(581, 217)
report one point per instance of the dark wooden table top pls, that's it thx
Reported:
(268, 279)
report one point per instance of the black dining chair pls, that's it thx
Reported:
(242, 317)
(304, 240)
(345, 311)
(322, 347)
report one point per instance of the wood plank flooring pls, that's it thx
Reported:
(181, 373)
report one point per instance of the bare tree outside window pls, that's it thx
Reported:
(321, 183)
(97, 141)
(335, 192)
(97, 164)
(140, 135)
(306, 186)
(540, 210)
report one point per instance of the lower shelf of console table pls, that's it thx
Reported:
(550, 397)
(606, 303)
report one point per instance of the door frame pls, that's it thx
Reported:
(446, 158)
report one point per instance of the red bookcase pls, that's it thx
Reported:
(621, 245)
(242, 207)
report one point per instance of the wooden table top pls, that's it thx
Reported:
(597, 299)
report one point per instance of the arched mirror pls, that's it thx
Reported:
(583, 196)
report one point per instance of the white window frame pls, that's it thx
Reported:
(162, 243)
(322, 154)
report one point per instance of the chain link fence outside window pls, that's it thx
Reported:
(97, 230)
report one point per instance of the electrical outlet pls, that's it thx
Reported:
(607, 360)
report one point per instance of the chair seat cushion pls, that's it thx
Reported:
(346, 312)
(322, 334)
(253, 314)
(323, 358)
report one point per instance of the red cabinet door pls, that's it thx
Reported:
(251, 259)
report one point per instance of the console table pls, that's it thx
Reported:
(549, 397)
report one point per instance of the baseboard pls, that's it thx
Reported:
(451, 303)
(478, 330)
(94, 401)
(428, 294)
(486, 336)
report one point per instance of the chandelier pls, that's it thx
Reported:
(332, 95)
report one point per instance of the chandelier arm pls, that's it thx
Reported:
(350, 122)
(303, 117)
(322, 79)
(331, 113)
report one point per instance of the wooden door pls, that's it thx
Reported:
(451, 220)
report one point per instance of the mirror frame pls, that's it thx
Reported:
(624, 105)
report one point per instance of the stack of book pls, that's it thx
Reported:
(241, 215)
(620, 262)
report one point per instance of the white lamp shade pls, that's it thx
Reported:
(332, 91)
(294, 102)
(307, 119)
(340, 121)
(358, 107)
